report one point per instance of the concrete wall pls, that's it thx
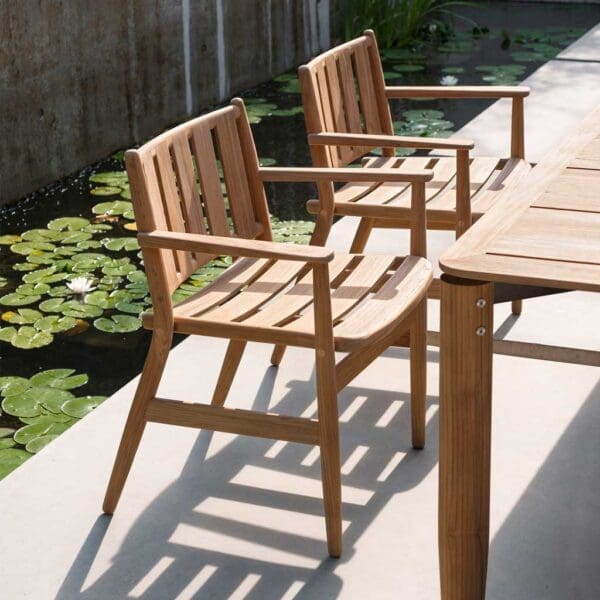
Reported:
(80, 79)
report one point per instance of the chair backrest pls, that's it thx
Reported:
(199, 177)
(343, 91)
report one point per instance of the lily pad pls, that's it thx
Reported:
(6, 431)
(41, 235)
(118, 324)
(118, 207)
(47, 275)
(10, 459)
(69, 223)
(24, 316)
(39, 443)
(30, 247)
(28, 433)
(80, 407)
(408, 68)
(16, 299)
(9, 239)
(55, 324)
(129, 244)
(22, 405)
(33, 289)
(63, 379)
(28, 337)
(111, 178)
(7, 443)
(13, 385)
(105, 190)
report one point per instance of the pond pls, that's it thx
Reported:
(60, 357)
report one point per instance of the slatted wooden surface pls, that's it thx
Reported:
(546, 230)
(273, 300)
(489, 177)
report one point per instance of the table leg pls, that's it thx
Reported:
(465, 427)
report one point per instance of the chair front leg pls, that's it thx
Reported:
(328, 411)
(233, 356)
(418, 374)
(464, 218)
(136, 421)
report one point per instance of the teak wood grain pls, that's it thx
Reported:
(543, 231)
(346, 103)
(197, 194)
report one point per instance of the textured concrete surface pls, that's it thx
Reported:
(79, 80)
(218, 516)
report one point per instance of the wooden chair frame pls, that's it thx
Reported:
(346, 105)
(183, 224)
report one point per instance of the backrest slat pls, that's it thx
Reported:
(350, 95)
(236, 180)
(172, 203)
(210, 181)
(176, 186)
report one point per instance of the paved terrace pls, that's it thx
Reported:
(215, 516)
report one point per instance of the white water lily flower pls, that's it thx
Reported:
(81, 285)
(449, 80)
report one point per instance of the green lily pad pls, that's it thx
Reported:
(7, 443)
(528, 56)
(6, 431)
(47, 275)
(408, 68)
(80, 407)
(97, 227)
(105, 190)
(89, 261)
(74, 308)
(110, 178)
(118, 267)
(10, 459)
(28, 433)
(422, 115)
(63, 379)
(16, 299)
(28, 337)
(39, 443)
(118, 324)
(24, 316)
(25, 266)
(69, 223)
(30, 247)
(47, 417)
(89, 245)
(9, 239)
(288, 112)
(22, 405)
(13, 385)
(118, 207)
(74, 237)
(129, 244)
(55, 324)
(7, 334)
(41, 235)
(453, 70)
(33, 289)
(134, 308)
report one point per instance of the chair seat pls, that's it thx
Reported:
(272, 301)
(488, 178)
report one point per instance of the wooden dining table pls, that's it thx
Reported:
(543, 232)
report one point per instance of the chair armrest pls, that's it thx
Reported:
(315, 174)
(231, 246)
(457, 91)
(388, 141)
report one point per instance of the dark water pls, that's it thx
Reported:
(113, 359)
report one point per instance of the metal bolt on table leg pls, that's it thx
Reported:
(480, 331)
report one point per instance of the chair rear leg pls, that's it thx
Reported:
(136, 421)
(330, 450)
(232, 359)
(361, 237)
(517, 307)
(277, 355)
(418, 374)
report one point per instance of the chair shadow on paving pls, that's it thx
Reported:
(214, 530)
(549, 546)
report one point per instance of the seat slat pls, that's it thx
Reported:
(354, 190)
(353, 289)
(480, 171)
(378, 314)
(296, 298)
(513, 171)
(270, 283)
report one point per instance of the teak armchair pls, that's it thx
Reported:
(346, 106)
(274, 293)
